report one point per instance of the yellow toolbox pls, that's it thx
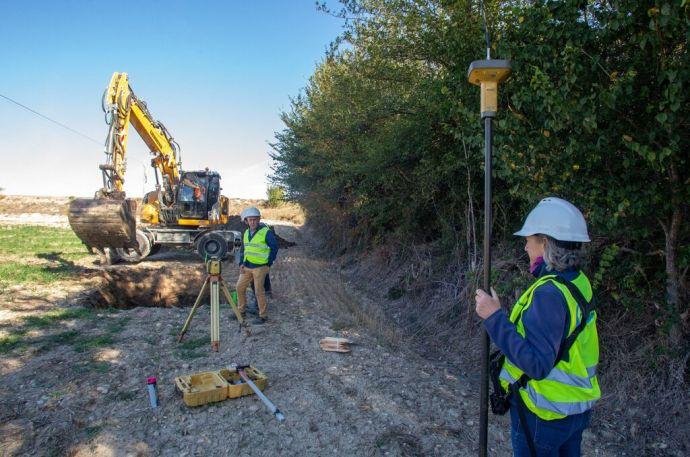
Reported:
(202, 388)
(236, 385)
(214, 386)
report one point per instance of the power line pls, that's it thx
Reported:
(51, 120)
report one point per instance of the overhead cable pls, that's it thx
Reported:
(51, 120)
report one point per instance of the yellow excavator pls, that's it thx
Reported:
(185, 209)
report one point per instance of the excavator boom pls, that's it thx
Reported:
(109, 220)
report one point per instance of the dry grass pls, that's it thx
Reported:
(19, 204)
(289, 212)
(238, 204)
(643, 384)
(369, 314)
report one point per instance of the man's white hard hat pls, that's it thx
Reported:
(556, 218)
(250, 212)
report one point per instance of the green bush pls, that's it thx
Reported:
(275, 196)
(385, 142)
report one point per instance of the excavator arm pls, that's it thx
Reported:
(123, 108)
(108, 220)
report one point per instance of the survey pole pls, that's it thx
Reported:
(487, 74)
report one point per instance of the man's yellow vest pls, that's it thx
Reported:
(257, 250)
(572, 386)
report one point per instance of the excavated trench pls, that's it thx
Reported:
(167, 286)
(148, 284)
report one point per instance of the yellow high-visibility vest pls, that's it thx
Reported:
(257, 250)
(571, 387)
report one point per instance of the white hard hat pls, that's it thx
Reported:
(556, 218)
(250, 212)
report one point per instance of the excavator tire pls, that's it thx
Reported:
(155, 249)
(131, 255)
(104, 223)
(211, 245)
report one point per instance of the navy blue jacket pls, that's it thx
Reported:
(270, 240)
(546, 322)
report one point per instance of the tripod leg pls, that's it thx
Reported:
(194, 308)
(215, 315)
(231, 302)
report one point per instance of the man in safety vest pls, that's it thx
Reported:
(550, 339)
(259, 251)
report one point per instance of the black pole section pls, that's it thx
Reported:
(484, 388)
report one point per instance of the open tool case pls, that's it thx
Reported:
(212, 386)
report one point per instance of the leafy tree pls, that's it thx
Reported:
(598, 115)
(386, 141)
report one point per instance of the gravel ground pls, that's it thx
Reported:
(380, 399)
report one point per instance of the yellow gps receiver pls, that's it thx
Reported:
(488, 74)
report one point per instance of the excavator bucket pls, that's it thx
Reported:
(103, 223)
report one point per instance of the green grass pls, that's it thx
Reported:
(34, 241)
(92, 366)
(109, 310)
(117, 326)
(191, 348)
(17, 337)
(52, 318)
(98, 367)
(191, 344)
(92, 342)
(74, 338)
(17, 273)
(68, 337)
(12, 341)
(188, 355)
(51, 253)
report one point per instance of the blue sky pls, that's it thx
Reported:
(217, 74)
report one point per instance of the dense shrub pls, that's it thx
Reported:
(386, 136)
(275, 196)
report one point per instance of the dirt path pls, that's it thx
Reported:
(84, 393)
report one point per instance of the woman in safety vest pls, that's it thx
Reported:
(550, 338)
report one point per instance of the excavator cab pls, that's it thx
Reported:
(197, 193)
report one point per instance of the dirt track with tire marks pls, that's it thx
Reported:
(377, 400)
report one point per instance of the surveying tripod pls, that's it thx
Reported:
(215, 283)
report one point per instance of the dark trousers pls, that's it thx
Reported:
(556, 438)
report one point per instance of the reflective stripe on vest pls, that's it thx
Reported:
(571, 387)
(257, 250)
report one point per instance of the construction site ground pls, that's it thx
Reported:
(74, 381)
